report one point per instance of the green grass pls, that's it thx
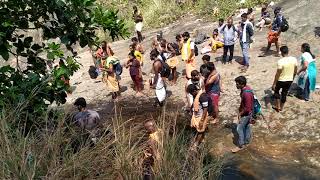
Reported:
(49, 152)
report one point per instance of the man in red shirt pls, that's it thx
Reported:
(245, 113)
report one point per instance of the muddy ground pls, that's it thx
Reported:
(286, 145)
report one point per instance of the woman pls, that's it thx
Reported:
(110, 77)
(103, 53)
(213, 89)
(215, 42)
(307, 73)
(265, 18)
(135, 72)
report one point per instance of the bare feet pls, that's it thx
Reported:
(236, 149)
(139, 94)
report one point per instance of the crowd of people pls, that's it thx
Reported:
(203, 87)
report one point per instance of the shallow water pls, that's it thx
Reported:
(266, 159)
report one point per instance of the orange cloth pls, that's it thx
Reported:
(173, 62)
(273, 37)
(195, 121)
(111, 80)
(190, 66)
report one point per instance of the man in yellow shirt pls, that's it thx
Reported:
(188, 54)
(287, 69)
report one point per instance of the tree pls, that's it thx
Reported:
(31, 87)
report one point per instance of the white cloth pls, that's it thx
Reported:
(160, 89)
(139, 26)
(185, 46)
(244, 31)
(307, 56)
(199, 85)
(206, 49)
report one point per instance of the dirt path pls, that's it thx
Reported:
(290, 138)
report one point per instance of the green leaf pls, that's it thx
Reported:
(4, 52)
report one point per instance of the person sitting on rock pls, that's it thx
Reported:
(265, 18)
(214, 43)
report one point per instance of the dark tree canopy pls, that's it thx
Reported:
(35, 86)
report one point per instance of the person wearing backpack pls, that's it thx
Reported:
(246, 32)
(245, 113)
(275, 31)
(110, 77)
(230, 33)
(188, 54)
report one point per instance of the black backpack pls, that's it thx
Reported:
(166, 70)
(284, 25)
(118, 69)
(93, 72)
(196, 50)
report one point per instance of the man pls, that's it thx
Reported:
(275, 31)
(229, 33)
(158, 84)
(245, 113)
(199, 119)
(287, 69)
(206, 59)
(198, 81)
(87, 120)
(246, 33)
(220, 24)
(138, 19)
(187, 54)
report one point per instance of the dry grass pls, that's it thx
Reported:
(50, 153)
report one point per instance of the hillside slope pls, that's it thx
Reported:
(286, 145)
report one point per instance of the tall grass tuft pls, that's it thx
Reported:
(63, 152)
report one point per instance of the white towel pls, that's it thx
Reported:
(161, 94)
(139, 26)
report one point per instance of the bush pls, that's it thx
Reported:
(52, 152)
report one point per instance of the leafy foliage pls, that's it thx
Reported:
(36, 81)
